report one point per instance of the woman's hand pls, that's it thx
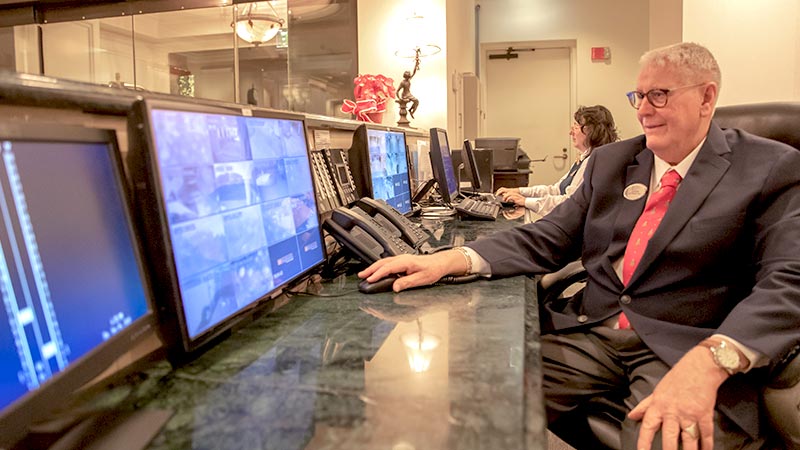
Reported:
(504, 191)
(517, 199)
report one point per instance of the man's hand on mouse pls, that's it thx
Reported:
(418, 270)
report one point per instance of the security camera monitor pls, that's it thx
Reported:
(382, 160)
(230, 211)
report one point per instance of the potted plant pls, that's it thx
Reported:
(372, 93)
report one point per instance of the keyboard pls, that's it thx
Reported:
(476, 209)
(492, 198)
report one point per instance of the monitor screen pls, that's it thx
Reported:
(236, 199)
(442, 165)
(471, 165)
(75, 297)
(388, 167)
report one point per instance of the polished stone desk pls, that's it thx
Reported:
(446, 367)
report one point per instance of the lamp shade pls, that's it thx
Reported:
(258, 27)
(417, 41)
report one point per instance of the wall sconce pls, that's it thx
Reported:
(416, 50)
(419, 348)
(257, 25)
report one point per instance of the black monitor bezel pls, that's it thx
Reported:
(472, 165)
(50, 396)
(437, 164)
(145, 171)
(358, 157)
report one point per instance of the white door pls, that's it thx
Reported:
(529, 97)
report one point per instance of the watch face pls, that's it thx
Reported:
(726, 357)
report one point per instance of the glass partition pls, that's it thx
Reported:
(296, 55)
(189, 53)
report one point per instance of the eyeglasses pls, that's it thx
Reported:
(576, 125)
(656, 97)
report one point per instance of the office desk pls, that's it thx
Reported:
(446, 367)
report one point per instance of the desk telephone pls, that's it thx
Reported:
(332, 176)
(372, 230)
(394, 221)
(327, 197)
(364, 236)
(339, 167)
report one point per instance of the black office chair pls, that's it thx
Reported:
(603, 418)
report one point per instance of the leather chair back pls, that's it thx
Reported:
(778, 120)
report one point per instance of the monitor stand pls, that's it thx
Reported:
(422, 192)
(101, 430)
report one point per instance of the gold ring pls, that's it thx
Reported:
(691, 430)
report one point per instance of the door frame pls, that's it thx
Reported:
(570, 44)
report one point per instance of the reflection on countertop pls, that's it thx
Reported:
(445, 367)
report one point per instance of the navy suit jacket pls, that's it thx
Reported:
(725, 259)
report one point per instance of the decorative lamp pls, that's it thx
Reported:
(416, 51)
(258, 26)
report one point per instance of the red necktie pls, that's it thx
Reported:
(651, 217)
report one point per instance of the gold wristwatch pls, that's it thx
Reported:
(725, 356)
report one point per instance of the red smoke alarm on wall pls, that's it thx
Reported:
(601, 53)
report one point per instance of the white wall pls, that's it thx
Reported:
(460, 56)
(382, 30)
(757, 45)
(666, 22)
(621, 25)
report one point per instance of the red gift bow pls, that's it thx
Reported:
(363, 108)
(371, 93)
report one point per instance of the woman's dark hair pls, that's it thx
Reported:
(597, 124)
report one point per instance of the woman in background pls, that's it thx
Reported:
(593, 127)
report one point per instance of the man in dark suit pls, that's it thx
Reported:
(683, 322)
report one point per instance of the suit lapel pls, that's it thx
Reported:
(703, 176)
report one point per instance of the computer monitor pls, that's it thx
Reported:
(229, 208)
(75, 294)
(504, 151)
(471, 165)
(381, 156)
(442, 165)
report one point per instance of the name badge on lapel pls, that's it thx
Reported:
(634, 191)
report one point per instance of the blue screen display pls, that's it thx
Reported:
(69, 276)
(240, 205)
(449, 172)
(388, 167)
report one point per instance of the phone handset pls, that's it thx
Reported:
(364, 236)
(411, 233)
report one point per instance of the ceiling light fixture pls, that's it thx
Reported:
(257, 26)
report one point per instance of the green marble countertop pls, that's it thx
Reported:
(445, 367)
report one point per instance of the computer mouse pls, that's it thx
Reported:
(382, 285)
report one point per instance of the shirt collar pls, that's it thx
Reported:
(660, 167)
